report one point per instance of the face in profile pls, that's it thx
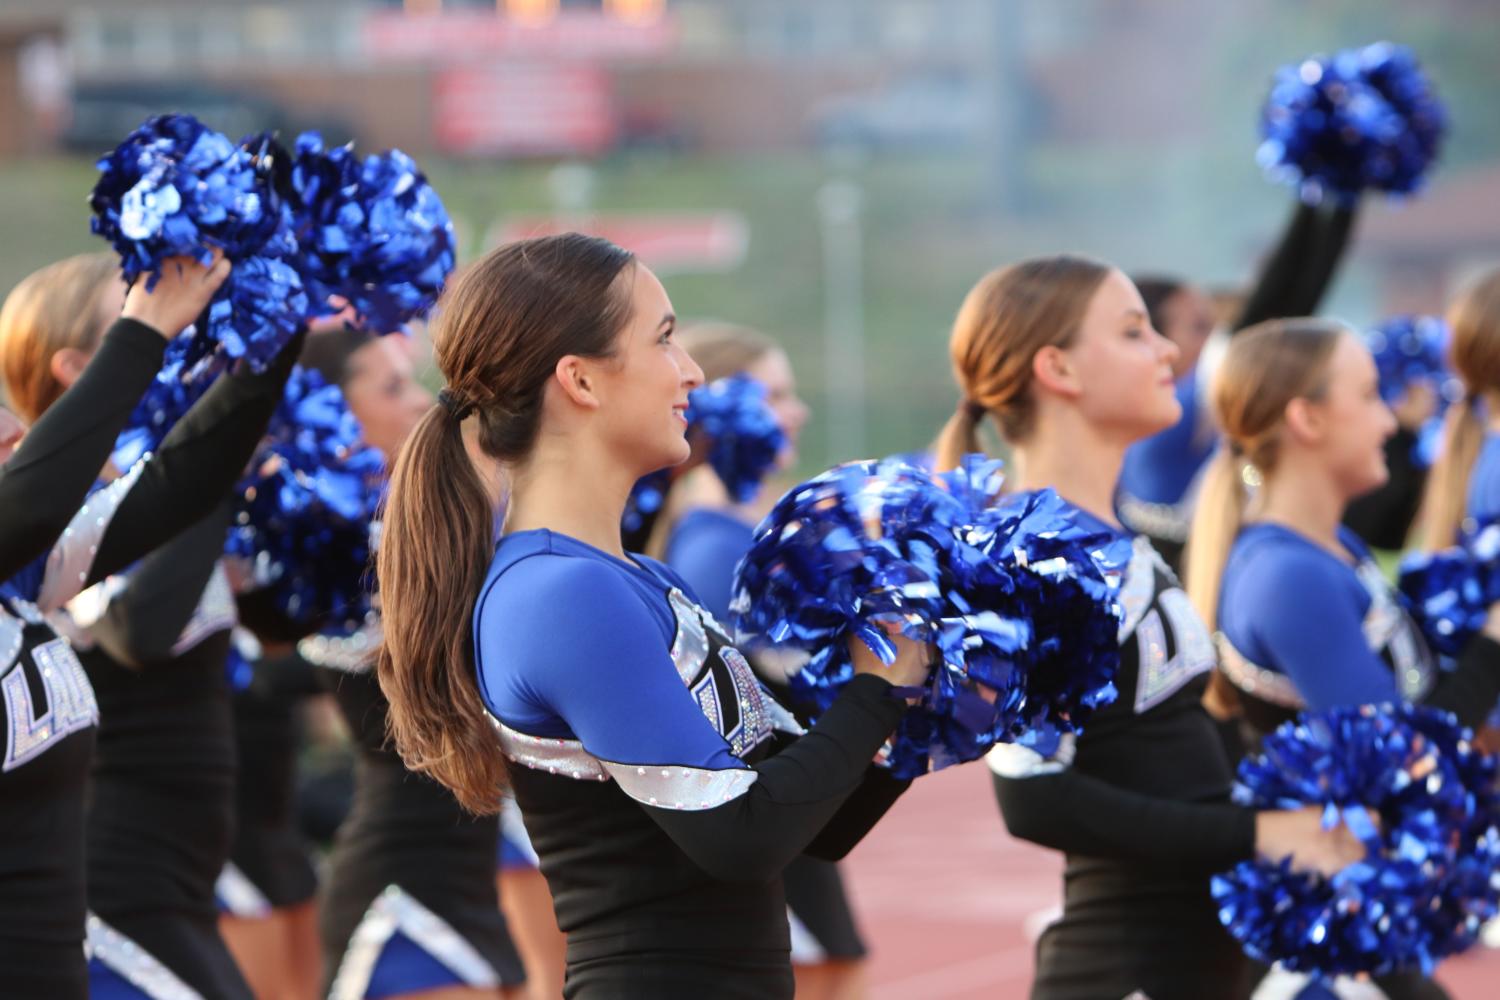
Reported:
(643, 390)
(774, 371)
(1356, 422)
(383, 392)
(1123, 367)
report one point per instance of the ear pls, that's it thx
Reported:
(67, 364)
(1305, 421)
(576, 379)
(1054, 371)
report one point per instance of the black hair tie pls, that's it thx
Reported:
(456, 408)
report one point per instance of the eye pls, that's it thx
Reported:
(1135, 333)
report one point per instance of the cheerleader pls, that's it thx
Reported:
(1306, 618)
(1060, 352)
(639, 741)
(1465, 487)
(48, 554)
(1159, 480)
(701, 535)
(409, 904)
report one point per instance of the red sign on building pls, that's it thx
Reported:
(667, 242)
(523, 109)
(460, 34)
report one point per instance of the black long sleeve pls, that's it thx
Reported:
(1471, 689)
(796, 795)
(1298, 272)
(144, 620)
(1078, 814)
(858, 815)
(47, 479)
(198, 462)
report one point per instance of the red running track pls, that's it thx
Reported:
(944, 895)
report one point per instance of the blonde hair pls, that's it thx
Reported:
(1264, 369)
(1007, 317)
(1474, 351)
(51, 310)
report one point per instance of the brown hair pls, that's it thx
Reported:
(1264, 369)
(53, 309)
(501, 329)
(1474, 351)
(1006, 318)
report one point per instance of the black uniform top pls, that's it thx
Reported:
(162, 807)
(1140, 804)
(643, 762)
(403, 829)
(52, 548)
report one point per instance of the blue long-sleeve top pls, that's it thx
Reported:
(643, 753)
(1304, 627)
(703, 549)
(1484, 483)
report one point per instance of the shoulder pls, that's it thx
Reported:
(1275, 579)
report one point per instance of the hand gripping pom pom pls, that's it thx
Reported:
(1363, 119)
(304, 513)
(1019, 601)
(1430, 879)
(1449, 592)
(372, 233)
(744, 437)
(175, 188)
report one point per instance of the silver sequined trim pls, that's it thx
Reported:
(1387, 628)
(1267, 685)
(240, 896)
(216, 612)
(1167, 521)
(70, 704)
(1139, 584)
(396, 910)
(540, 753)
(353, 653)
(689, 789)
(690, 645)
(70, 559)
(118, 953)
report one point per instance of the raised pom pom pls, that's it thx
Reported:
(1432, 875)
(371, 233)
(304, 514)
(1018, 600)
(1410, 351)
(176, 188)
(1362, 119)
(1449, 592)
(744, 437)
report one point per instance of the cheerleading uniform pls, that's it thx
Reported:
(1139, 803)
(49, 709)
(270, 865)
(703, 549)
(643, 753)
(1159, 479)
(1483, 503)
(1303, 628)
(410, 901)
(161, 813)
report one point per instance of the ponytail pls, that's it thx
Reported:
(959, 437)
(435, 547)
(1217, 517)
(1446, 498)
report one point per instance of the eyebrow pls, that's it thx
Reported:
(670, 319)
(1135, 313)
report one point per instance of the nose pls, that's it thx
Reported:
(1169, 349)
(692, 375)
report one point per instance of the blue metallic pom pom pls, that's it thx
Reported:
(744, 437)
(1432, 875)
(373, 233)
(1449, 592)
(304, 513)
(1364, 118)
(1019, 601)
(1409, 350)
(174, 188)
